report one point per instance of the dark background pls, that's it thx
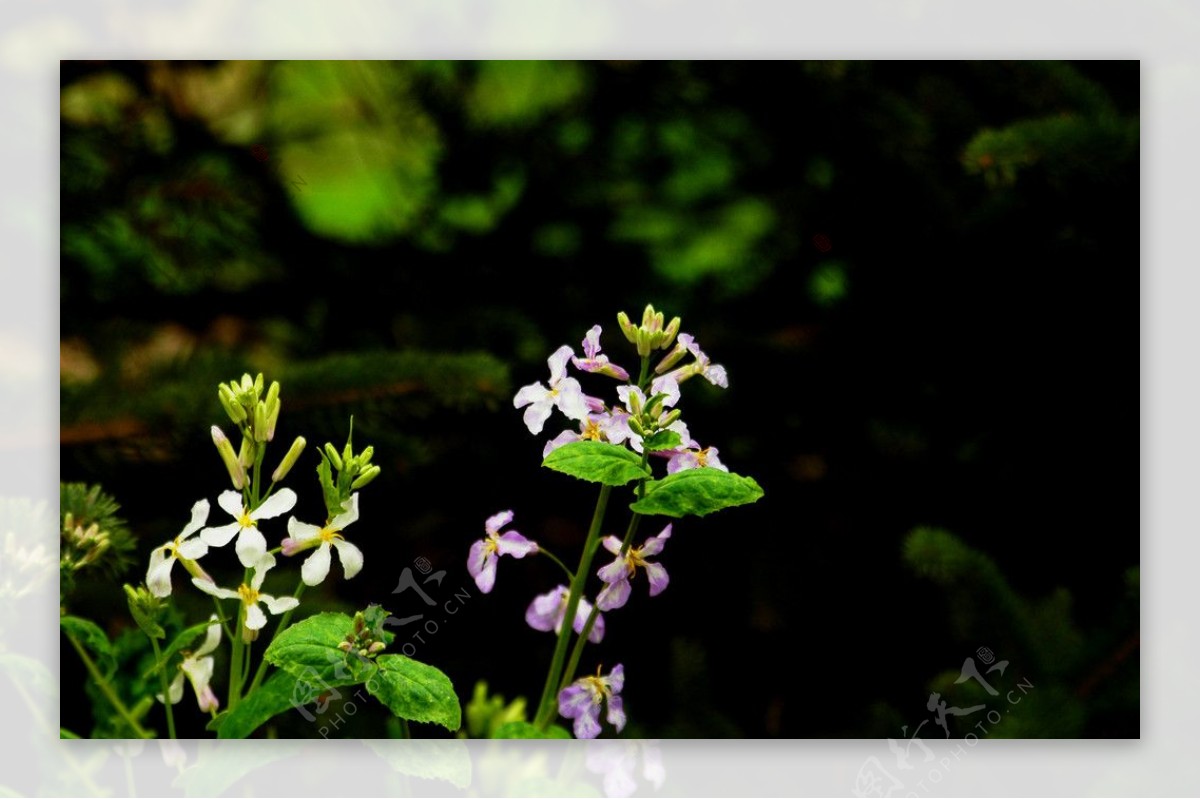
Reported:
(921, 277)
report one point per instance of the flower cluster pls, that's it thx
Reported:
(644, 418)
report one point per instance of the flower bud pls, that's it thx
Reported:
(236, 473)
(272, 418)
(648, 317)
(671, 358)
(643, 342)
(364, 457)
(246, 452)
(333, 456)
(260, 422)
(247, 383)
(670, 418)
(345, 646)
(656, 324)
(289, 460)
(258, 385)
(667, 337)
(272, 395)
(627, 327)
(367, 476)
(376, 647)
(236, 413)
(635, 424)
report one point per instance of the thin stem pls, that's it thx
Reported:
(221, 617)
(260, 450)
(284, 620)
(162, 679)
(546, 705)
(570, 574)
(236, 666)
(107, 689)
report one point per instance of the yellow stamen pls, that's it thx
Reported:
(249, 595)
(327, 534)
(246, 521)
(591, 431)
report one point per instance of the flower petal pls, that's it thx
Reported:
(277, 504)
(302, 531)
(209, 587)
(193, 549)
(657, 575)
(219, 536)
(231, 503)
(212, 637)
(536, 415)
(612, 544)
(565, 437)
(280, 604)
(591, 342)
(175, 689)
(316, 566)
(654, 544)
(616, 712)
(485, 579)
(199, 517)
(514, 544)
(613, 595)
(476, 558)
(575, 699)
(530, 394)
(570, 399)
(349, 514)
(715, 374)
(264, 565)
(250, 547)
(616, 679)
(158, 576)
(666, 384)
(255, 618)
(545, 611)
(615, 571)
(558, 364)
(499, 520)
(350, 556)
(588, 723)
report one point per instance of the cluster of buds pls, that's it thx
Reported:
(256, 417)
(86, 544)
(357, 469)
(146, 609)
(652, 334)
(362, 641)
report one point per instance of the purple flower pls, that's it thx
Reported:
(481, 561)
(695, 459)
(581, 701)
(712, 372)
(564, 393)
(635, 401)
(617, 574)
(546, 613)
(590, 429)
(595, 361)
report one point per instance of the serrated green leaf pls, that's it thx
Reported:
(522, 730)
(597, 462)
(91, 637)
(696, 492)
(308, 650)
(281, 692)
(415, 691)
(663, 439)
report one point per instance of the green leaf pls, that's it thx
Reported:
(428, 759)
(597, 462)
(663, 439)
(415, 691)
(308, 650)
(65, 734)
(281, 692)
(522, 730)
(93, 638)
(696, 492)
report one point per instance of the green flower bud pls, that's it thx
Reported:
(247, 383)
(272, 418)
(643, 342)
(667, 337)
(260, 422)
(246, 452)
(237, 474)
(333, 456)
(289, 460)
(258, 385)
(670, 419)
(647, 317)
(670, 359)
(376, 647)
(272, 395)
(237, 414)
(367, 476)
(364, 457)
(627, 327)
(656, 324)
(345, 646)
(347, 454)
(635, 424)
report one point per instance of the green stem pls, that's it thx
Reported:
(284, 620)
(561, 565)
(260, 450)
(107, 689)
(162, 679)
(236, 665)
(221, 617)
(546, 706)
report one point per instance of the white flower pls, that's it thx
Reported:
(305, 536)
(251, 545)
(253, 617)
(184, 549)
(564, 393)
(198, 667)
